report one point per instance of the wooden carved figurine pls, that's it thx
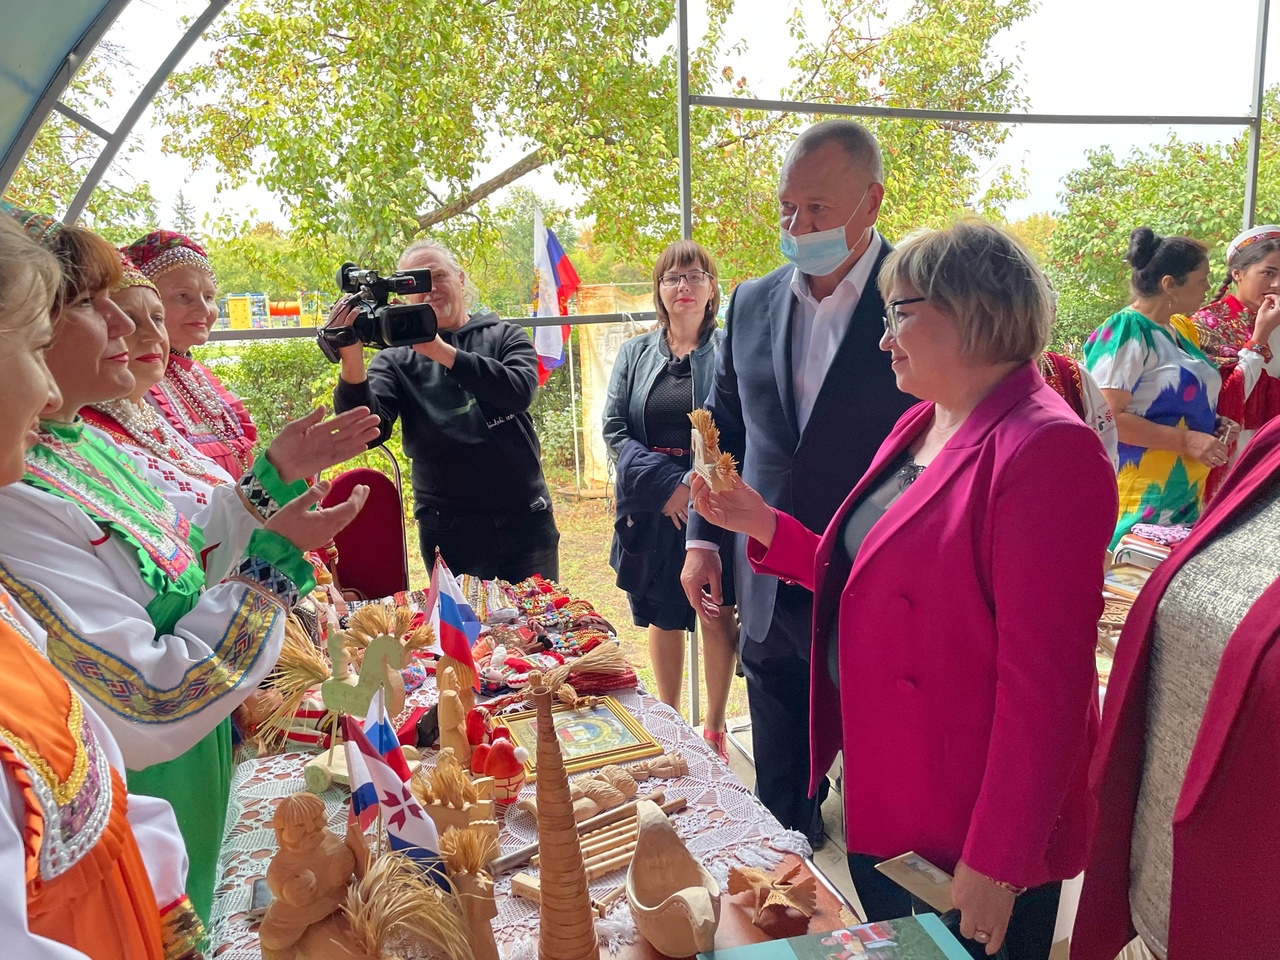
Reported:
(466, 855)
(675, 902)
(309, 878)
(450, 797)
(567, 931)
(453, 674)
(453, 726)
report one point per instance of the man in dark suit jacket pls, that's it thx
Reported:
(803, 397)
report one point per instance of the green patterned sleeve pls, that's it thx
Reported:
(1118, 352)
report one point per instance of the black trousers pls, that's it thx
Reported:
(778, 698)
(1030, 933)
(506, 546)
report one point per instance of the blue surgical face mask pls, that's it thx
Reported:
(818, 254)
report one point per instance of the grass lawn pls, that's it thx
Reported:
(586, 528)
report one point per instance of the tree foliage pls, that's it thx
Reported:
(1178, 187)
(374, 122)
(63, 151)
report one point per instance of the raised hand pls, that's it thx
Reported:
(311, 444)
(310, 529)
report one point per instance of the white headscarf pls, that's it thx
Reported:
(1266, 231)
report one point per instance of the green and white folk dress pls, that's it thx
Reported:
(1174, 384)
(163, 625)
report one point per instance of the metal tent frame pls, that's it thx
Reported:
(81, 46)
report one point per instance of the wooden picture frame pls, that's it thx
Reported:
(590, 737)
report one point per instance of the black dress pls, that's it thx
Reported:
(667, 427)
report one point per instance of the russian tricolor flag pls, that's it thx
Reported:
(555, 281)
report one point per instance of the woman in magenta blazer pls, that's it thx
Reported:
(1187, 772)
(962, 580)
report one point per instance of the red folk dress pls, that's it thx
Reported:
(1224, 326)
(210, 416)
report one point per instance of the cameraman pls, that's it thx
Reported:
(464, 398)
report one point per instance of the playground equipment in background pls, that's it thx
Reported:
(254, 311)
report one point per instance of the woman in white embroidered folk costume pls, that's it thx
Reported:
(135, 424)
(86, 870)
(163, 624)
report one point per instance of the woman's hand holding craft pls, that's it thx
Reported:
(740, 509)
(310, 529)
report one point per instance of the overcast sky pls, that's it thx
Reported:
(1173, 57)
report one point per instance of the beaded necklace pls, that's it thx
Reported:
(201, 398)
(141, 425)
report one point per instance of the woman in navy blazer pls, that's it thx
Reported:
(962, 577)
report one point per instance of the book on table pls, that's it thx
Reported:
(921, 937)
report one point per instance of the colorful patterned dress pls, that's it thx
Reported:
(72, 871)
(206, 413)
(1174, 384)
(164, 626)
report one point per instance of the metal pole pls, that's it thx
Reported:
(964, 116)
(139, 106)
(1255, 122)
(695, 694)
(682, 56)
(49, 97)
(573, 417)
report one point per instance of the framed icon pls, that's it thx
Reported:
(590, 737)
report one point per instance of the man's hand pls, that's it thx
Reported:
(702, 568)
(677, 505)
(309, 529)
(311, 444)
(439, 351)
(343, 314)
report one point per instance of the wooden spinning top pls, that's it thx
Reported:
(567, 931)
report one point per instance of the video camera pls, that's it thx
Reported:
(380, 324)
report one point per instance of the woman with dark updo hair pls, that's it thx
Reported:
(1160, 385)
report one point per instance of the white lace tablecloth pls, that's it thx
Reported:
(723, 825)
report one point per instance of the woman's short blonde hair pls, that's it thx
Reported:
(30, 278)
(985, 279)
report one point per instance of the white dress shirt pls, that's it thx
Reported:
(816, 332)
(817, 328)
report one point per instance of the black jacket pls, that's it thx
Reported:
(645, 541)
(467, 430)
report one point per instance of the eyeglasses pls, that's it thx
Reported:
(893, 316)
(695, 278)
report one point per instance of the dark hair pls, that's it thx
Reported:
(1244, 258)
(686, 253)
(89, 264)
(855, 139)
(1154, 257)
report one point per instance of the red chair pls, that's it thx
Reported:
(373, 554)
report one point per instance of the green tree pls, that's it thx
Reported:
(1178, 187)
(184, 215)
(62, 152)
(375, 122)
(264, 259)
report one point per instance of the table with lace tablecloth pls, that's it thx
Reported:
(723, 825)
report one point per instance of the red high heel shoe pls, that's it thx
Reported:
(717, 742)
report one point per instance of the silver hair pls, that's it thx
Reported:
(470, 292)
(857, 141)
